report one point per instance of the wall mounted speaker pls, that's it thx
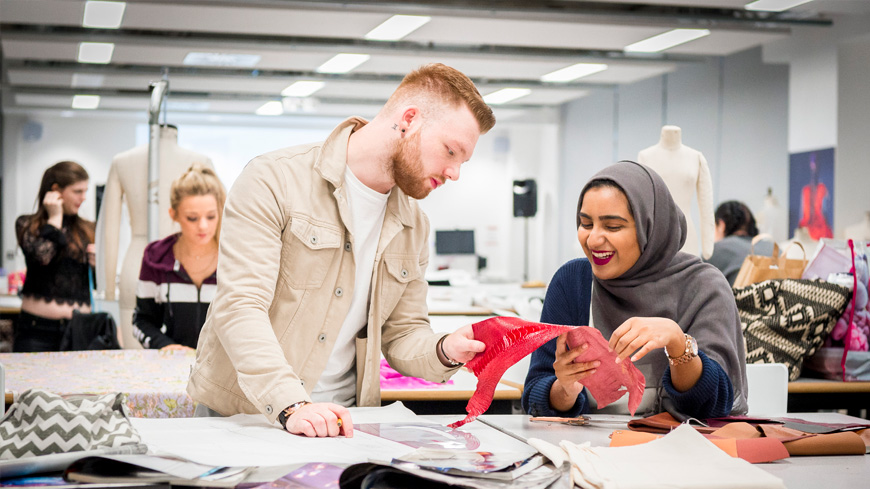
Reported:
(525, 198)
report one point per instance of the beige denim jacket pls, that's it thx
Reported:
(286, 277)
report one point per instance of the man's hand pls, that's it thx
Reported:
(320, 419)
(177, 347)
(460, 346)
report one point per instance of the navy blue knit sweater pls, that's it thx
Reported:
(567, 302)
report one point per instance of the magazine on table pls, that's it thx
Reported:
(154, 469)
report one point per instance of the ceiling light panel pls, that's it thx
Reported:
(774, 5)
(88, 102)
(96, 52)
(666, 40)
(103, 15)
(506, 95)
(221, 59)
(271, 108)
(397, 27)
(343, 63)
(302, 88)
(574, 72)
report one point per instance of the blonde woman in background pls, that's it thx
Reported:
(178, 276)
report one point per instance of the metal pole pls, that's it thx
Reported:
(158, 92)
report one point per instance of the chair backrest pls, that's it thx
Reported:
(768, 389)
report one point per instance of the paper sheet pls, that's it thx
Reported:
(681, 459)
(249, 440)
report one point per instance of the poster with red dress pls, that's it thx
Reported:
(811, 193)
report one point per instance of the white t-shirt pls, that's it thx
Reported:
(367, 209)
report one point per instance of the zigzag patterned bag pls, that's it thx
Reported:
(786, 320)
(40, 423)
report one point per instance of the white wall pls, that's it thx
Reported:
(852, 173)
(733, 110)
(482, 199)
(91, 143)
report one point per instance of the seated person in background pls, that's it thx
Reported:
(645, 296)
(735, 228)
(179, 273)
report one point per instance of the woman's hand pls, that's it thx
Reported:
(642, 335)
(320, 419)
(92, 255)
(568, 385)
(461, 346)
(176, 347)
(53, 203)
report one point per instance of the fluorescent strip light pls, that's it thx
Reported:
(574, 72)
(96, 52)
(89, 102)
(221, 59)
(302, 88)
(271, 108)
(774, 5)
(103, 15)
(342, 63)
(666, 40)
(505, 95)
(397, 27)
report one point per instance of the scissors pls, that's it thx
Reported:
(579, 421)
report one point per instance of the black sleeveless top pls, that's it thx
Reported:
(57, 270)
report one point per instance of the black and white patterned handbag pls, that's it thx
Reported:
(787, 320)
(41, 423)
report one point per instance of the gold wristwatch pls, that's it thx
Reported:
(687, 356)
(288, 411)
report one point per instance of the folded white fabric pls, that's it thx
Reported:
(681, 459)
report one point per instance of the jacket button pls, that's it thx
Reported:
(347, 246)
(404, 273)
(268, 409)
(338, 292)
(314, 240)
(322, 337)
(302, 382)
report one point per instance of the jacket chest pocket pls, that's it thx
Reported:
(308, 251)
(400, 271)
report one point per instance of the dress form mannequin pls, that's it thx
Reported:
(128, 181)
(802, 236)
(685, 172)
(860, 231)
(771, 218)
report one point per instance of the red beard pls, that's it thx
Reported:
(407, 168)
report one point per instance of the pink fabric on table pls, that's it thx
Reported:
(393, 380)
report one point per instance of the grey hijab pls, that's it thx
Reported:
(665, 282)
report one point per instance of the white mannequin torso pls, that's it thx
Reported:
(771, 219)
(127, 182)
(685, 172)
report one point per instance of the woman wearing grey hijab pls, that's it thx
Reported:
(646, 296)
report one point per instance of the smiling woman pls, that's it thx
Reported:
(645, 296)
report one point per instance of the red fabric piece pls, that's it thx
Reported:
(507, 341)
(612, 380)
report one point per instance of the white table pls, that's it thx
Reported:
(797, 472)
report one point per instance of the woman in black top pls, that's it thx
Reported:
(58, 250)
